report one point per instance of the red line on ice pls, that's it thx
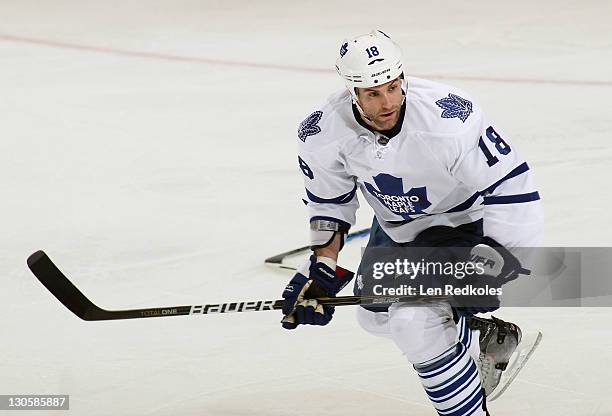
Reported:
(292, 68)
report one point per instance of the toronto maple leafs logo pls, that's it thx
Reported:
(343, 49)
(455, 106)
(389, 190)
(309, 126)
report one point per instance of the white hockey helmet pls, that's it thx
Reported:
(369, 60)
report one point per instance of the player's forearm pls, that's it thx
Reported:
(332, 249)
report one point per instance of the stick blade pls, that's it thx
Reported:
(58, 284)
(278, 261)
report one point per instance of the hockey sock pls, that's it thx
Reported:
(452, 383)
(468, 337)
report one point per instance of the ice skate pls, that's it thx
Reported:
(503, 353)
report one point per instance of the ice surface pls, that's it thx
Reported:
(148, 147)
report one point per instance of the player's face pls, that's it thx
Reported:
(381, 104)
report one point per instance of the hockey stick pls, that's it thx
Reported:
(277, 260)
(58, 284)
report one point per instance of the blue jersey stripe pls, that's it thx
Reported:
(464, 205)
(342, 199)
(520, 169)
(511, 199)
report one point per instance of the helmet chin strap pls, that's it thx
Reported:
(363, 114)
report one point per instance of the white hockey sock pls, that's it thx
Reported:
(452, 383)
(468, 337)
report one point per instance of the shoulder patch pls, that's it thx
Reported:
(309, 126)
(455, 106)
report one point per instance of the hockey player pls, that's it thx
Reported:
(434, 169)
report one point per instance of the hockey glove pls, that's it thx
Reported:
(497, 260)
(498, 263)
(315, 278)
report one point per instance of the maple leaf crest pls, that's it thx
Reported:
(343, 49)
(391, 194)
(455, 106)
(309, 126)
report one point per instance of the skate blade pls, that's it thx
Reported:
(517, 361)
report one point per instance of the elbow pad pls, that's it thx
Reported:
(322, 233)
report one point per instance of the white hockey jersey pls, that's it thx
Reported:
(448, 165)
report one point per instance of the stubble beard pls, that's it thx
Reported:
(385, 124)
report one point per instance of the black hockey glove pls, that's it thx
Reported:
(497, 260)
(498, 264)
